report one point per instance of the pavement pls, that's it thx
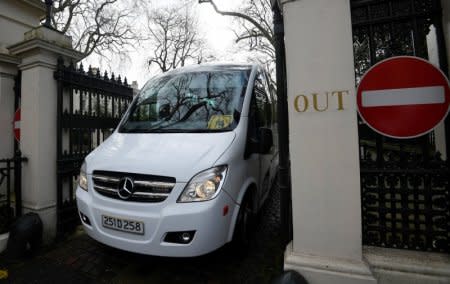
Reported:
(80, 259)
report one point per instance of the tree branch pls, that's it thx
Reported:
(245, 17)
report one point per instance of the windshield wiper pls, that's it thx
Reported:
(153, 130)
(173, 130)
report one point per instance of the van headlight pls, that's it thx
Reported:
(82, 179)
(204, 186)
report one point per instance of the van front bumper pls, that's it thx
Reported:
(213, 228)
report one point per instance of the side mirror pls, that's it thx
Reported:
(266, 140)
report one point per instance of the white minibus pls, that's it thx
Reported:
(188, 167)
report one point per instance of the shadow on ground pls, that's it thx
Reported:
(80, 259)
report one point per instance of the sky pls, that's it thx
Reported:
(216, 29)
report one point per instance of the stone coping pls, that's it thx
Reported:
(9, 59)
(408, 261)
(35, 3)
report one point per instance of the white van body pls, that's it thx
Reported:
(132, 184)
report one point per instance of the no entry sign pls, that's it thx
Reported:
(17, 125)
(403, 97)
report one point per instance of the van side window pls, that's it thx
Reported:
(260, 112)
(264, 108)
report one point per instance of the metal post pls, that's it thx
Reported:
(48, 15)
(59, 106)
(17, 92)
(18, 182)
(284, 179)
(8, 190)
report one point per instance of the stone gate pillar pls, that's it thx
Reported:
(38, 54)
(327, 243)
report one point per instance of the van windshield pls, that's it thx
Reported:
(189, 102)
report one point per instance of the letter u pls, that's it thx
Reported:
(315, 103)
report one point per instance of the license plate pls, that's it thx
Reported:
(119, 224)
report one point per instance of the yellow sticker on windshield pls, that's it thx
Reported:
(219, 121)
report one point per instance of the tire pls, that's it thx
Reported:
(244, 230)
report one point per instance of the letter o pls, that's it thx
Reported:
(305, 103)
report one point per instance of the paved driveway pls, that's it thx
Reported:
(83, 260)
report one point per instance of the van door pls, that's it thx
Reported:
(262, 118)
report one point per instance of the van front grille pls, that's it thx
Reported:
(138, 188)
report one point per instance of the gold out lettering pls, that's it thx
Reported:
(320, 101)
(301, 107)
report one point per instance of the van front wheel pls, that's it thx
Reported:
(244, 224)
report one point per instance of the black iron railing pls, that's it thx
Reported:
(90, 106)
(10, 190)
(405, 202)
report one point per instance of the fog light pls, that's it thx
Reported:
(85, 219)
(186, 237)
(179, 237)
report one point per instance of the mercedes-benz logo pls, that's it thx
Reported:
(126, 187)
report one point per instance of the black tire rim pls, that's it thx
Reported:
(245, 223)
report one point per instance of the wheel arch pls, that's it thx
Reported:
(250, 188)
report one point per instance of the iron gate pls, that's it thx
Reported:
(90, 106)
(11, 176)
(10, 190)
(404, 183)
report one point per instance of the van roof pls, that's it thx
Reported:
(216, 66)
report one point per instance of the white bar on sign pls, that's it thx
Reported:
(406, 96)
(16, 124)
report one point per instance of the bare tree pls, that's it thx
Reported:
(255, 30)
(97, 26)
(174, 38)
(255, 27)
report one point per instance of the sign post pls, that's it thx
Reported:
(403, 97)
(16, 123)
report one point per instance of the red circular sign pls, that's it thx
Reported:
(403, 97)
(17, 125)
